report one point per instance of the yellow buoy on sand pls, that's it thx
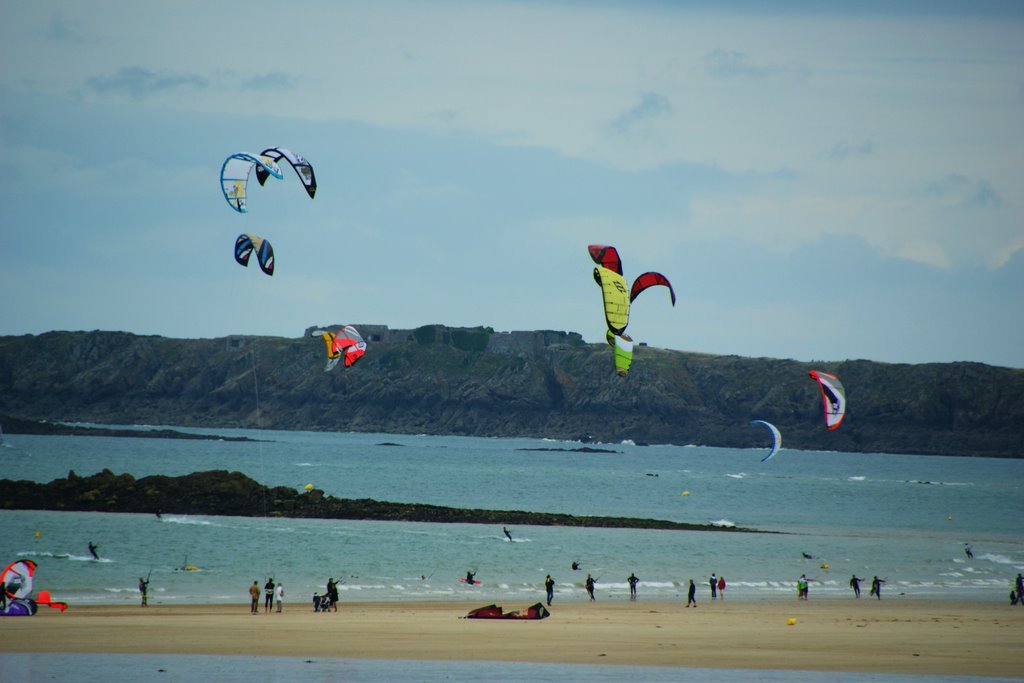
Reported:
(791, 621)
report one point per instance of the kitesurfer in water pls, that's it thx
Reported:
(576, 566)
(92, 549)
(855, 585)
(549, 587)
(968, 552)
(507, 533)
(469, 577)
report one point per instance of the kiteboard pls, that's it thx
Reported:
(474, 582)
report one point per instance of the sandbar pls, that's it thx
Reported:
(933, 637)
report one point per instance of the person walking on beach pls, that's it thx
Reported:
(633, 581)
(1019, 585)
(92, 550)
(721, 587)
(549, 588)
(713, 581)
(268, 593)
(876, 587)
(279, 596)
(254, 594)
(590, 586)
(855, 585)
(143, 588)
(691, 595)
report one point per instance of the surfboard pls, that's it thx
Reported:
(475, 582)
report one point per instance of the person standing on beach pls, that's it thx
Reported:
(143, 588)
(1019, 584)
(549, 588)
(691, 596)
(254, 593)
(332, 594)
(713, 581)
(633, 581)
(3, 595)
(279, 596)
(801, 587)
(721, 587)
(268, 593)
(590, 586)
(855, 585)
(876, 587)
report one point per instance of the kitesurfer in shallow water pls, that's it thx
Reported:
(469, 577)
(92, 549)
(507, 533)
(575, 566)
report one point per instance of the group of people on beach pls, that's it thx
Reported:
(273, 593)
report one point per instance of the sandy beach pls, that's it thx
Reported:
(889, 636)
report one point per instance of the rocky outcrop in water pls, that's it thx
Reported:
(218, 492)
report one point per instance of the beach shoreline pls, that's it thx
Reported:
(928, 637)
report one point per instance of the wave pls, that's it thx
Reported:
(187, 520)
(860, 478)
(728, 523)
(740, 475)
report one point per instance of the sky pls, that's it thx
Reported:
(819, 180)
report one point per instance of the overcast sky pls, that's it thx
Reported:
(835, 180)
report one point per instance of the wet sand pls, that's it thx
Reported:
(888, 636)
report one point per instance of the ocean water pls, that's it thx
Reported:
(903, 518)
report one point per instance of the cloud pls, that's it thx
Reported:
(965, 192)
(139, 83)
(728, 64)
(60, 30)
(274, 80)
(651, 106)
(845, 150)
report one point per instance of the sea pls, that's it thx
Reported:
(908, 519)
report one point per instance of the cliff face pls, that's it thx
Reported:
(438, 380)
